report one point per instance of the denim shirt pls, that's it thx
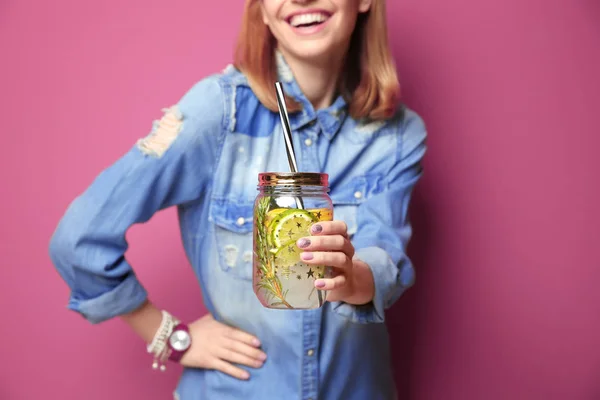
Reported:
(220, 138)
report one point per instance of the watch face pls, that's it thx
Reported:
(180, 340)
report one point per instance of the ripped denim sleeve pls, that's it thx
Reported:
(163, 134)
(170, 166)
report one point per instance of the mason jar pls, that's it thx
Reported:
(286, 207)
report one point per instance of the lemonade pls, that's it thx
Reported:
(281, 279)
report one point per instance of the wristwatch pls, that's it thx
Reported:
(179, 341)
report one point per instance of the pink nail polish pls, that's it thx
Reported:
(306, 256)
(303, 243)
(320, 284)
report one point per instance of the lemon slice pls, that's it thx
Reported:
(287, 255)
(272, 214)
(291, 225)
(269, 218)
(287, 262)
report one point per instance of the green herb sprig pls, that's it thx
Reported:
(269, 281)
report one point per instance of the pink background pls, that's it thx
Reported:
(507, 304)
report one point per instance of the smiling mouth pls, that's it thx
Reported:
(308, 19)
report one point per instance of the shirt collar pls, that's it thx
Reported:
(330, 119)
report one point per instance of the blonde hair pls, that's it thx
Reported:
(370, 80)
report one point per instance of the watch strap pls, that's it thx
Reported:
(174, 354)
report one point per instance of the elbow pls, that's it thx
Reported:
(58, 245)
(60, 251)
(68, 234)
(61, 248)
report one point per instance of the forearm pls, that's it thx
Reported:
(144, 321)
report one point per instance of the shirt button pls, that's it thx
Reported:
(310, 352)
(241, 221)
(308, 142)
(358, 195)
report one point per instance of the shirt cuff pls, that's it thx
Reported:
(390, 280)
(122, 299)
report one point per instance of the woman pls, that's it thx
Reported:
(203, 156)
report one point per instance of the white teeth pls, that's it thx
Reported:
(305, 19)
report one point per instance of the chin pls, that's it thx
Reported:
(308, 53)
(310, 50)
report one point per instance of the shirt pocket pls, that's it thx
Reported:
(233, 228)
(349, 196)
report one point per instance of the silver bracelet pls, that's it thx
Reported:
(159, 347)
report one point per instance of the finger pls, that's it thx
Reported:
(241, 336)
(229, 369)
(327, 243)
(329, 228)
(248, 351)
(331, 284)
(330, 258)
(237, 358)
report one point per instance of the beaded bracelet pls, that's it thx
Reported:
(158, 347)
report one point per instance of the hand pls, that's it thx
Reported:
(217, 346)
(329, 245)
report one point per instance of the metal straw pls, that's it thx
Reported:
(287, 134)
(289, 146)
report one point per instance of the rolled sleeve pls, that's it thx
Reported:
(384, 228)
(127, 296)
(163, 169)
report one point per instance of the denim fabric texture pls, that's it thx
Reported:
(220, 138)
